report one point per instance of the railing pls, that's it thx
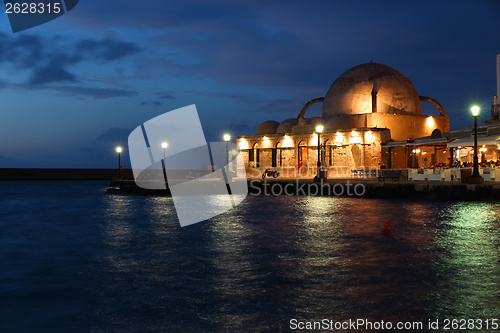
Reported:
(452, 174)
(364, 173)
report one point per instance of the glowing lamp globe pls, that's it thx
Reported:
(475, 111)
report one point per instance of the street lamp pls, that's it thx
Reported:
(227, 137)
(319, 130)
(476, 177)
(164, 145)
(119, 150)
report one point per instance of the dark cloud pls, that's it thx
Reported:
(51, 73)
(105, 49)
(62, 50)
(74, 90)
(167, 96)
(53, 70)
(51, 60)
(97, 93)
(155, 103)
(114, 134)
(25, 51)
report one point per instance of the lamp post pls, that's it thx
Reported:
(227, 137)
(476, 177)
(319, 130)
(119, 151)
(164, 145)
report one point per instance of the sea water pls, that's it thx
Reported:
(75, 259)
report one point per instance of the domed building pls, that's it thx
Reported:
(372, 88)
(366, 108)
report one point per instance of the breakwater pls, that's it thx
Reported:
(63, 174)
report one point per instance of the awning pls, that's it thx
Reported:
(423, 142)
(429, 142)
(396, 144)
(469, 141)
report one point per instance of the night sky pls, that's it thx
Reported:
(73, 89)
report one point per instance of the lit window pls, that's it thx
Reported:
(339, 139)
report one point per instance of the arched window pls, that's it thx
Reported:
(326, 152)
(436, 134)
(302, 154)
(254, 155)
(277, 156)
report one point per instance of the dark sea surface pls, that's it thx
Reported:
(75, 259)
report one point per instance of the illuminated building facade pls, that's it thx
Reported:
(366, 108)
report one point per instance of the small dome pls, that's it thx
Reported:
(286, 126)
(315, 121)
(352, 92)
(340, 121)
(267, 127)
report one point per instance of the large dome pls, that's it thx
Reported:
(352, 92)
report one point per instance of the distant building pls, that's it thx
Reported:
(495, 110)
(365, 109)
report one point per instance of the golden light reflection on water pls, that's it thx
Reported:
(118, 231)
(123, 263)
(469, 235)
(232, 261)
(117, 215)
(121, 229)
(344, 242)
(306, 252)
(321, 228)
(161, 214)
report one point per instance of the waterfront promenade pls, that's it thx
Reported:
(369, 188)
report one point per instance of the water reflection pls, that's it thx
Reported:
(327, 257)
(118, 212)
(468, 234)
(275, 258)
(124, 264)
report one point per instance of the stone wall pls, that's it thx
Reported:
(367, 153)
(405, 126)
